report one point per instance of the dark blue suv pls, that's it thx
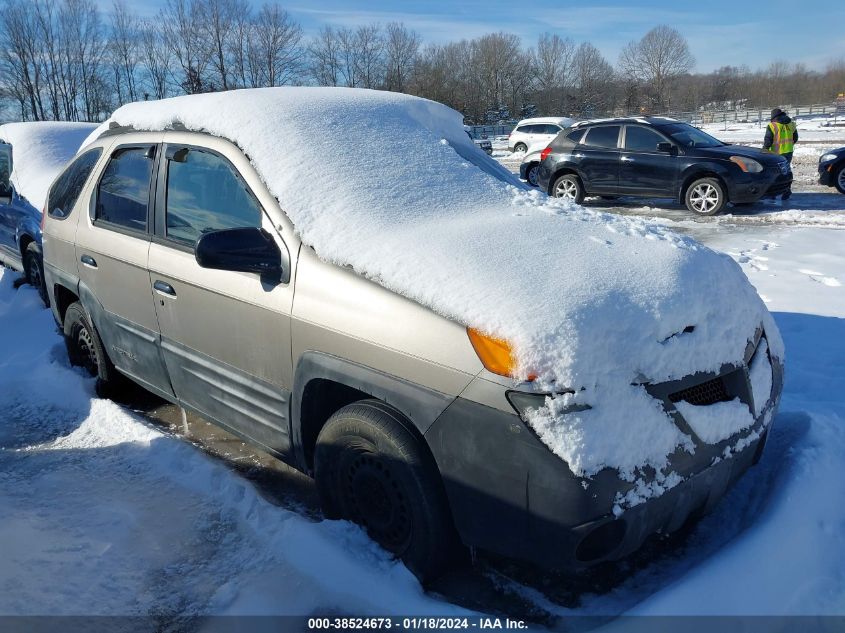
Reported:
(657, 157)
(20, 228)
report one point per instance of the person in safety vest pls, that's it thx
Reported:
(781, 136)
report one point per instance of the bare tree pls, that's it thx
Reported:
(279, 41)
(368, 56)
(593, 78)
(325, 57)
(401, 49)
(657, 59)
(216, 27)
(180, 22)
(123, 51)
(155, 60)
(553, 69)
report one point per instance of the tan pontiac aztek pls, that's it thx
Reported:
(459, 362)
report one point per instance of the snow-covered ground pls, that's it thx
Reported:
(40, 151)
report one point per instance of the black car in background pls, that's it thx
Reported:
(657, 157)
(832, 169)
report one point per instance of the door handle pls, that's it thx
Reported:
(88, 261)
(164, 288)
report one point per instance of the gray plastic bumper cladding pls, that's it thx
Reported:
(512, 496)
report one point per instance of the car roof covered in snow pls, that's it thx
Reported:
(588, 300)
(562, 121)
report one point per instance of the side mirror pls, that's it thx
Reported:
(669, 148)
(5, 173)
(248, 250)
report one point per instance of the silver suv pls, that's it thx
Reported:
(169, 262)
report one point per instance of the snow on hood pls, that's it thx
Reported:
(391, 185)
(40, 151)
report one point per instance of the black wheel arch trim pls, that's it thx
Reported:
(421, 405)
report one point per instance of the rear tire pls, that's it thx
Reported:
(85, 349)
(569, 187)
(839, 179)
(520, 148)
(33, 268)
(533, 174)
(370, 469)
(705, 196)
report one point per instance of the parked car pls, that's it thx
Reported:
(529, 132)
(832, 169)
(484, 144)
(347, 329)
(529, 168)
(31, 155)
(659, 157)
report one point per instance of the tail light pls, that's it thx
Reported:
(545, 153)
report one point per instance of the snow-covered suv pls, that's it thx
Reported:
(454, 358)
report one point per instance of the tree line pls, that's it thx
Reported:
(68, 60)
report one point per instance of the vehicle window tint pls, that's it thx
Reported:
(551, 129)
(575, 135)
(205, 193)
(603, 136)
(67, 187)
(642, 139)
(124, 190)
(524, 129)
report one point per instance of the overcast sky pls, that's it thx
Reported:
(720, 32)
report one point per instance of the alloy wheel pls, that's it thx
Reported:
(841, 179)
(535, 171)
(704, 198)
(87, 352)
(566, 189)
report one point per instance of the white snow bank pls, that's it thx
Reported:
(590, 301)
(40, 151)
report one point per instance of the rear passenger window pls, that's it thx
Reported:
(551, 129)
(604, 136)
(67, 187)
(124, 190)
(575, 135)
(205, 193)
(641, 139)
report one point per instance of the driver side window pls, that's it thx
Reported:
(205, 193)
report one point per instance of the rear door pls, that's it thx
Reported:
(643, 169)
(225, 335)
(112, 247)
(598, 158)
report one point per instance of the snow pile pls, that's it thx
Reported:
(40, 151)
(117, 518)
(590, 301)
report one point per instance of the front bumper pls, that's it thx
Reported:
(510, 495)
(827, 173)
(752, 187)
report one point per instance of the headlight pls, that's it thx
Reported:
(747, 164)
(827, 157)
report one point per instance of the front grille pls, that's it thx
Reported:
(703, 394)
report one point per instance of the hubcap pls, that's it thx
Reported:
(377, 502)
(86, 351)
(841, 178)
(566, 189)
(704, 198)
(35, 274)
(532, 175)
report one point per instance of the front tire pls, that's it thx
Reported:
(705, 196)
(839, 180)
(85, 349)
(33, 267)
(569, 187)
(370, 469)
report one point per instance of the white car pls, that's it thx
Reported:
(530, 132)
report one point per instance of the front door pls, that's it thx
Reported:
(643, 169)
(225, 335)
(112, 246)
(598, 158)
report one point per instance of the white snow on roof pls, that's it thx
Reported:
(590, 301)
(563, 121)
(40, 150)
